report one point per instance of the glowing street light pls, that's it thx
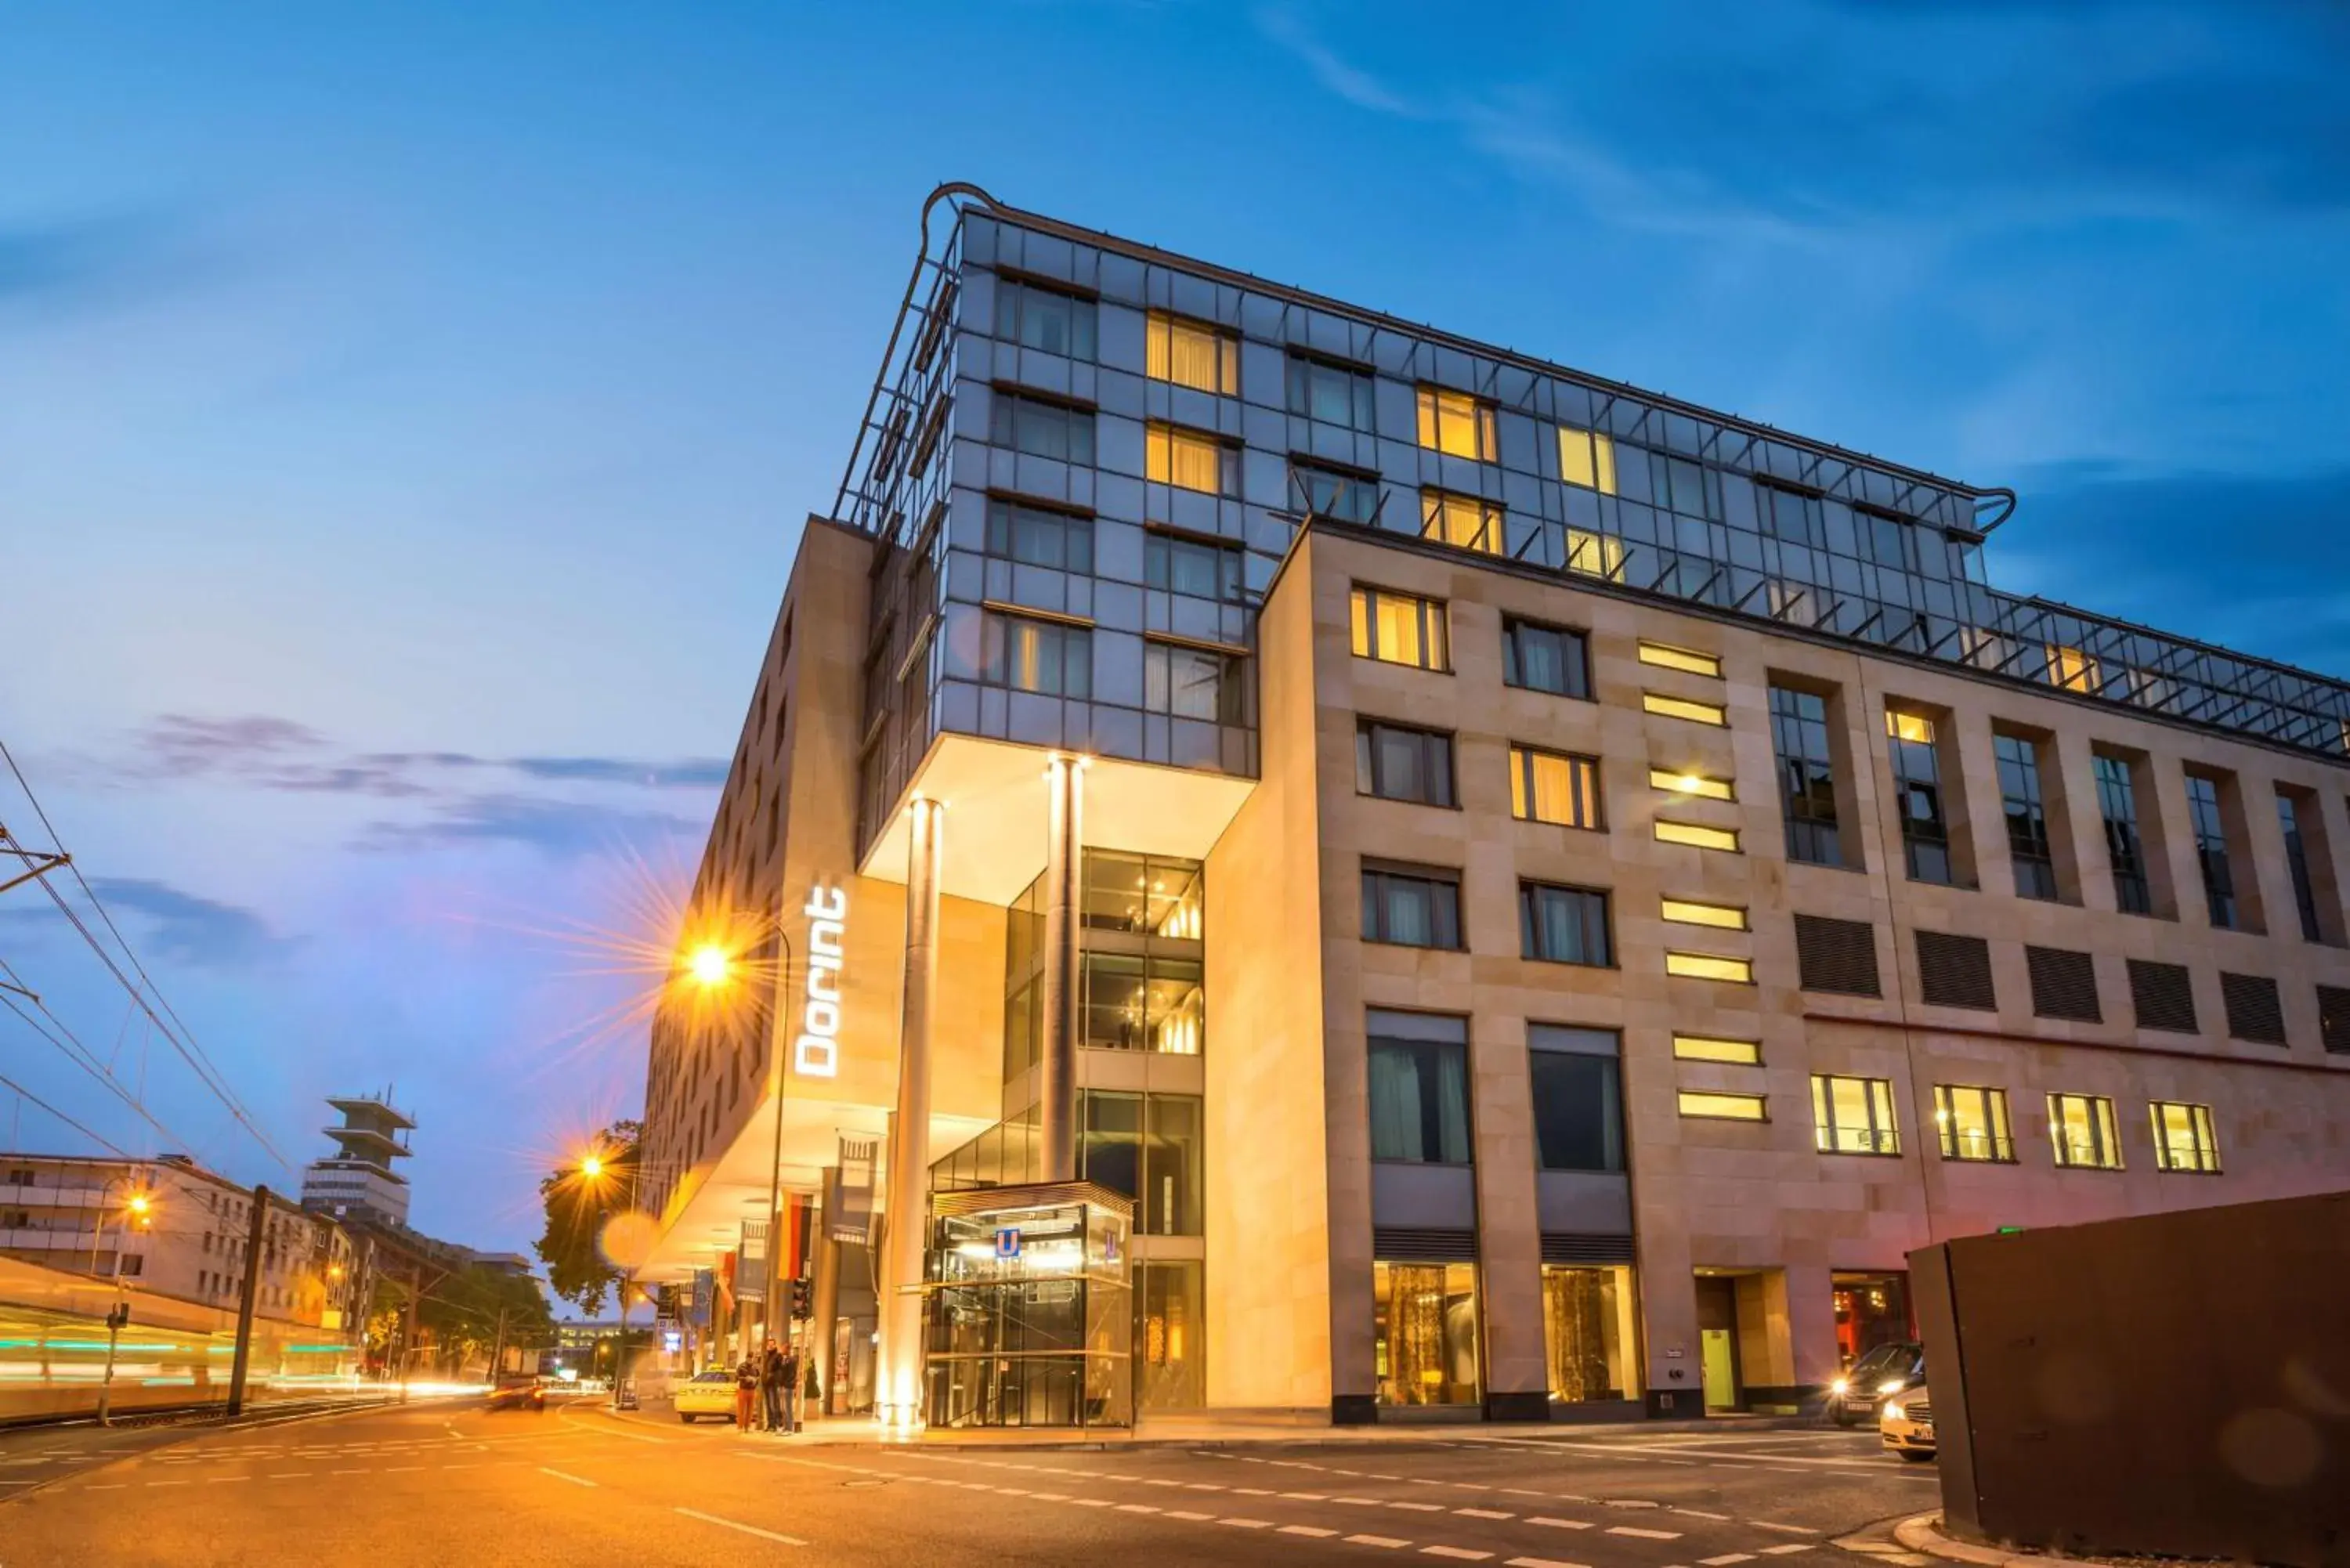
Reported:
(711, 965)
(592, 1167)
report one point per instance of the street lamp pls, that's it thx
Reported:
(139, 1209)
(593, 1171)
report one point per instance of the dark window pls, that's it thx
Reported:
(2334, 1018)
(2063, 984)
(2117, 800)
(1412, 908)
(1418, 1088)
(2162, 996)
(2255, 1013)
(1680, 484)
(1793, 515)
(1191, 566)
(1044, 319)
(1541, 658)
(1577, 1103)
(1799, 729)
(1041, 429)
(1955, 971)
(2211, 849)
(1836, 955)
(1195, 683)
(1885, 538)
(2027, 816)
(1036, 656)
(1396, 762)
(1112, 1152)
(1039, 538)
(1336, 394)
(1330, 492)
(2296, 859)
(1563, 925)
(1917, 790)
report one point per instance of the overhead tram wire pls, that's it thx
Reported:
(23, 1093)
(198, 1061)
(74, 1051)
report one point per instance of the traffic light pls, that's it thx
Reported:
(117, 1317)
(803, 1300)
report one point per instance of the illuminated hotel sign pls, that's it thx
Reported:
(817, 1053)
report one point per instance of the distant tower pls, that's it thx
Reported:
(357, 1183)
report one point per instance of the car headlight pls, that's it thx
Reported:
(1841, 1386)
(1893, 1386)
(1894, 1413)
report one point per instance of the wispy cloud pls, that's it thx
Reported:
(1357, 86)
(190, 929)
(262, 751)
(86, 260)
(691, 773)
(560, 827)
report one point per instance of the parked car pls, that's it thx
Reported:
(519, 1394)
(1906, 1424)
(1879, 1374)
(710, 1393)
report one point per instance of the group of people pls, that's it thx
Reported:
(767, 1390)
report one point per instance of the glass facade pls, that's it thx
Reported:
(1171, 1333)
(2211, 849)
(1917, 792)
(2018, 760)
(1589, 1342)
(1799, 733)
(1424, 1333)
(1033, 1333)
(2124, 849)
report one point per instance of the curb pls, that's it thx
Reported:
(1923, 1533)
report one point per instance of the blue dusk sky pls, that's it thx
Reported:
(406, 410)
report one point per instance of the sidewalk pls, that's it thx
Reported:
(1211, 1431)
(1923, 1534)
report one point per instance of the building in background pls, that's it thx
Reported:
(1540, 894)
(357, 1183)
(169, 1227)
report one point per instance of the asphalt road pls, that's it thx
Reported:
(439, 1484)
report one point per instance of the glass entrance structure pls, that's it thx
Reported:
(1030, 1319)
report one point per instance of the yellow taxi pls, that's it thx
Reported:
(1906, 1424)
(710, 1393)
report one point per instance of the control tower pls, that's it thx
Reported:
(357, 1183)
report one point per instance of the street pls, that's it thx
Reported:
(439, 1484)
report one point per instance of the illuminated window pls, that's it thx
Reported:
(1712, 1048)
(1709, 966)
(1695, 785)
(1191, 355)
(2183, 1138)
(1666, 657)
(1456, 423)
(1684, 708)
(1337, 493)
(1461, 520)
(1036, 656)
(1973, 1123)
(1586, 458)
(1397, 762)
(1697, 836)
(1550, 786)
(1563, 925)
(1689, 912)
(1720, 1106)
(1397, 628)
(1539, 658)
(2084, 1131)
(1854, 1116)
(1191, 460)
(1595, 555)
(1043, 318)
(2073, 670)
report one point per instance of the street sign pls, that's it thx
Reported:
(1007, 1241)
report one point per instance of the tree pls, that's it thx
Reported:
(577, 1206)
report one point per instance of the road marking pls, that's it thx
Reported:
(1782, 1550)
(1247, 1523)
(1160, 1481)
(1308, 1496)
(1789, 1529)
(1644, 1534)
(349, 1472)
(1313, 1529)
(399, 1470)
(1090, 1501)
(1561, 1524)
(1187, 1513)
(558, 1474)
(1012, 1490)
(1541, 1563)
(215, 1480)
(1251, 1491)
(1726, 1559)
(1420, 1507)
(288, 1475)
(1358, 1501)
(1374, 1475)
(1050, 1496)
(745, 1528)
(1202, 1486)
(1521, 1491)
(1700, 1513)
(1472, 1486)
(1377, 1540)
(1463, 1553)
(1136, 1508)
(1483, 1513)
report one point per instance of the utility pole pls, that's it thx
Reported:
(246, 1301)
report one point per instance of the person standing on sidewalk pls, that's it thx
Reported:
(787, 1364)
(746, 1391)
(771, 1387)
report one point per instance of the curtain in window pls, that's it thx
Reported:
(1395, 1103)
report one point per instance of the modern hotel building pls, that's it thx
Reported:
(1537, 895)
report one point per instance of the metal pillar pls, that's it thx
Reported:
(823, 1287)
(256, 1234)
(898, 1397)
(1064, 859)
